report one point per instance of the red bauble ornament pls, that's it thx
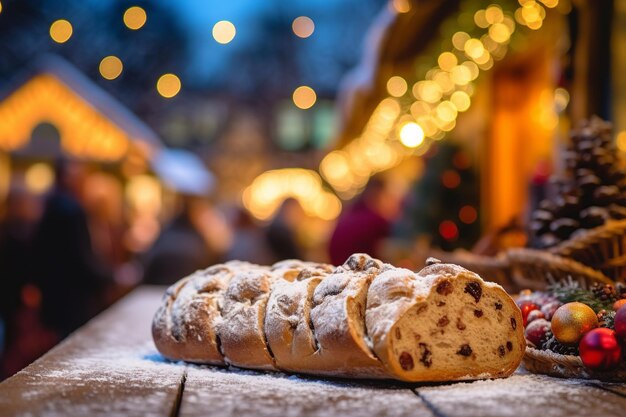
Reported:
(619, 304)
(534, 315)
(527, 306)
(620, 323)
(599, 349)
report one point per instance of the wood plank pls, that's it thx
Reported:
(223, 392)
(523, 395)
(108, 367)
(617, 388)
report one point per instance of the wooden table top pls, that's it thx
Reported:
(110, 367)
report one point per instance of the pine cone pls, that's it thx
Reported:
(607, 319)
(591, 191)
(558, 347)
(605, 293)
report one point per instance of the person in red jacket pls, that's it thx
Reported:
(364, 226)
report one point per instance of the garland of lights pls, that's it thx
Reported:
(408, 121)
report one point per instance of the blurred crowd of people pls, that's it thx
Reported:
(63, 259)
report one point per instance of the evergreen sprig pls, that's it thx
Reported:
(570, 291)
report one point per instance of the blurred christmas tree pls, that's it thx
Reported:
(444, 203)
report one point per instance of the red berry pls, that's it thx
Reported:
(527, 306)
(599, 349)
(620, 323)
(536, 330)
(534, 315)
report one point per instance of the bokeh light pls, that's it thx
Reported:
(621, 141)
(135, 17)
(468, 214)
(411, 135)
(401, 6)
(447, 60)
(224, 32)
(111, 67)
(304, 97)
(61, 31)
(303, 26)
(461, 100)
(396, 86)
(448, 230)
(168, 85)
(450, 179)
(39, 178)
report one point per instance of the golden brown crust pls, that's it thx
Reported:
(360, 319)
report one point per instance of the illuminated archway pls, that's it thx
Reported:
(84, 131)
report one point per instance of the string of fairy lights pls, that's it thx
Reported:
(415, 114)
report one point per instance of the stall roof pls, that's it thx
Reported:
(91, 122)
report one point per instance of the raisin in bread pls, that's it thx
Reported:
(443, 323)
(363, 319)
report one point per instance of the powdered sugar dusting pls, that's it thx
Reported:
(109, 367)
(522, 395)
(237, 392)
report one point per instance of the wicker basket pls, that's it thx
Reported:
(602, 248)
(491, 268)
(565, 366)
(535, 269)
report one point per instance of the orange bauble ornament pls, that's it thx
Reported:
(571, 321)
(619, 304)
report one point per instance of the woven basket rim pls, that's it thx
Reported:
(523, 256)
(608, 229)
(554, 364)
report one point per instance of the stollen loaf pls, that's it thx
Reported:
(363, 319)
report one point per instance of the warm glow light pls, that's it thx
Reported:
(499, 32)
(266, 193)
(447, 61)
(304, 97)
(561, 99)
(459, 39)
(461, 75)
(83, 130)
(494, 14)
(461, 100)
(428, 91)
(39, 178)
(550, 3)
(411, 135)
(0, 7)
(135, 17)
(473, 68)
(401, 6)
(442, 78)
(621, 141)
(224, 31)
(480, 19)
(61, 31)
(474, 48)
(303, 26)
(446, 111)
(111, 67)
(168, 85)
(396, 86)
